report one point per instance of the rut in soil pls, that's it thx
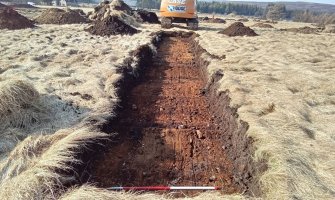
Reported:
(167, 135)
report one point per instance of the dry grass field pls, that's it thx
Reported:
(58, 85)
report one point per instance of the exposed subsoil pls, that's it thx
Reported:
(238, 29)
(175, 129)
(12, 20)
(111, 25)
(60, 16)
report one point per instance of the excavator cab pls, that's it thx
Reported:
(179, 11)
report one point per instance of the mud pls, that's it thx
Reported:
(111, 25)
(238, 29)
(173, 128)
(59, 16)
(12, 20)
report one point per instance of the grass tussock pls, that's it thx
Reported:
(19, 104)
(34, 168)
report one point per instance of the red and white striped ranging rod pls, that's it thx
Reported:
(166, 188)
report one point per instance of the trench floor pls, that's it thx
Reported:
(167, 135)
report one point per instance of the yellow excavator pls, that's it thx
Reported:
(179, 11)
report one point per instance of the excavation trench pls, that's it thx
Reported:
(174, 128)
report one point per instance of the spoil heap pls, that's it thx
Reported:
(123, 11)
(304, 30)
(59, 16)
(238, 29)
(146, 16)
(111, 25)
(12, 20)
(262, 25)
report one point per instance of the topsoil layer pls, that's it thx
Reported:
(59, 16)
(111, 25)
(12, 20)
(238, 29)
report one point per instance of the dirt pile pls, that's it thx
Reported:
(124, 12)
(146, 16)
(12, 20)
(111, 25)
(238, 29)
(106, 8)
(213, 20)
(304, 30)
(262, 25)
(80, 12)
(59, 16)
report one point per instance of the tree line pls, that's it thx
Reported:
(273, 11)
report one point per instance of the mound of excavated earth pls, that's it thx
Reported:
(106, 8)
(213, 20)
(111, 25)
(10, 19)
(146, 16)
(59, 16)
(262, 25)
(238, 29)
(304, 30)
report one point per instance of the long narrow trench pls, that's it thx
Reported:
(167, 135)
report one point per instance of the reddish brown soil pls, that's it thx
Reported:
(111, 25)
(59, 16)
(12, 20)
(167, 135)
(238, 29)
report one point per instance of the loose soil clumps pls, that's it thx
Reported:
(238, 29)
(111, 25)
(146, 16)
(262, 25)
(59, 16)
(12, 20)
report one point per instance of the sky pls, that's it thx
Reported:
(313, 1)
